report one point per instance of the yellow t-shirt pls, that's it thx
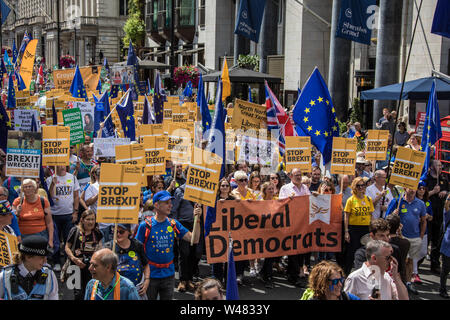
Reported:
(360, 210)
(249, 196)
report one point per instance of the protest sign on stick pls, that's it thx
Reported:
(407, 168)
(376, 144)
(155, 156)
(119, 193)
(8, 247)
(343, 156)
(203, 178)
(298, 153)
(248, 115)
(72, 119)
(55, 145)
(23, 154)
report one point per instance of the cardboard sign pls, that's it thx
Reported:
(298, 153)
(258, 151)
(202, 182)
(248, 115)
(263, 229)
(119, 193)
(23, 99)
(150, 130)
(131, 154)
(343, 158)
(106, 147)
(155, 156)
(376, 145)
(23, 117)
(55, 145)
(23, 154)
(178, 145)
(87, 114)
(407, 168)
(167, 112)
(62, 78)
(72, 119)
(180, 114)
(8, 247)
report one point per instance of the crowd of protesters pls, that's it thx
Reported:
(384, 227)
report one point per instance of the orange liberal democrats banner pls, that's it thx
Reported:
(55, 145)
(27, 64)
(63, 78)
(274, 228)
(119, 193)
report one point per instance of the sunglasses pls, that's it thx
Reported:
(224, 185)
(327, 190)
(334, 282)
(242, 180)
(121, 231)
(273, 178)
(360, 185)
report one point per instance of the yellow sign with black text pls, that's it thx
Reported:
(343, 157)
(407, 168)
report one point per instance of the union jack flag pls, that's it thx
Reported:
(277, 119)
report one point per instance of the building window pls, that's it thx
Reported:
(201, 14)
(123, 7)
(186, 12)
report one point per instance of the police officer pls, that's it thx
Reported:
(29, 278)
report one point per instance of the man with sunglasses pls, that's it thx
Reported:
(378, 278)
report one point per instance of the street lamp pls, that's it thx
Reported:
(74, 21)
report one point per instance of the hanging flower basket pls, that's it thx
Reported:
(67, 61)
(182, 75)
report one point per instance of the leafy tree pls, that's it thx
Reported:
(135, 25)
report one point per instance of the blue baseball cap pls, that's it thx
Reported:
(422, 183)
(161, 196)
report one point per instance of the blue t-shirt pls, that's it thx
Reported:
(410, 214)
(159, 246)
(429, 211)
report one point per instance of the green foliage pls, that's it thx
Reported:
(135, 25)
(356, 114)
(248, 62)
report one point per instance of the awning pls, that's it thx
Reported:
(418, 89)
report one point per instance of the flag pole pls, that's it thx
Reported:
(388, 173)
(116, 106)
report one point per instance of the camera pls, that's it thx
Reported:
(86, 260)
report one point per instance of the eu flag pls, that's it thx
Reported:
(232, 288)
(11, 93)
(315, 115)
(20, 84)
(5, 126)
(5, 11)
(77, 88)
(216, 144)
(158, 99)
(133, 61)
(250, 94)
(187, 92)
(203, 105)
(101, 110)
(441, 19)
(125, 111)
(148, 117)
(25, 40)
(15, 53)
(114, 91)
(2, 71)
(432, 131)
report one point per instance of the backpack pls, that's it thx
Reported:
(148, 230)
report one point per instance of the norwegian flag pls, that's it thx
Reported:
(278, 119)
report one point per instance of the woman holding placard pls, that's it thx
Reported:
(358, 214)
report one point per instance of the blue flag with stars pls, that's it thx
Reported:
(125, 111)
(432, 131)
(77, 88)
(203, 105)
(5, 10)
(100, 111)
(132, 60)
(15, 52)
(315, 115)
(11, 93)
(216, 145)
(158, 99)
(20, 84)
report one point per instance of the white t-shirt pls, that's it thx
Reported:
(373, 192)
(65, 187)
(90, 192)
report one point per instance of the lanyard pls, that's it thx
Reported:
(107, 295)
